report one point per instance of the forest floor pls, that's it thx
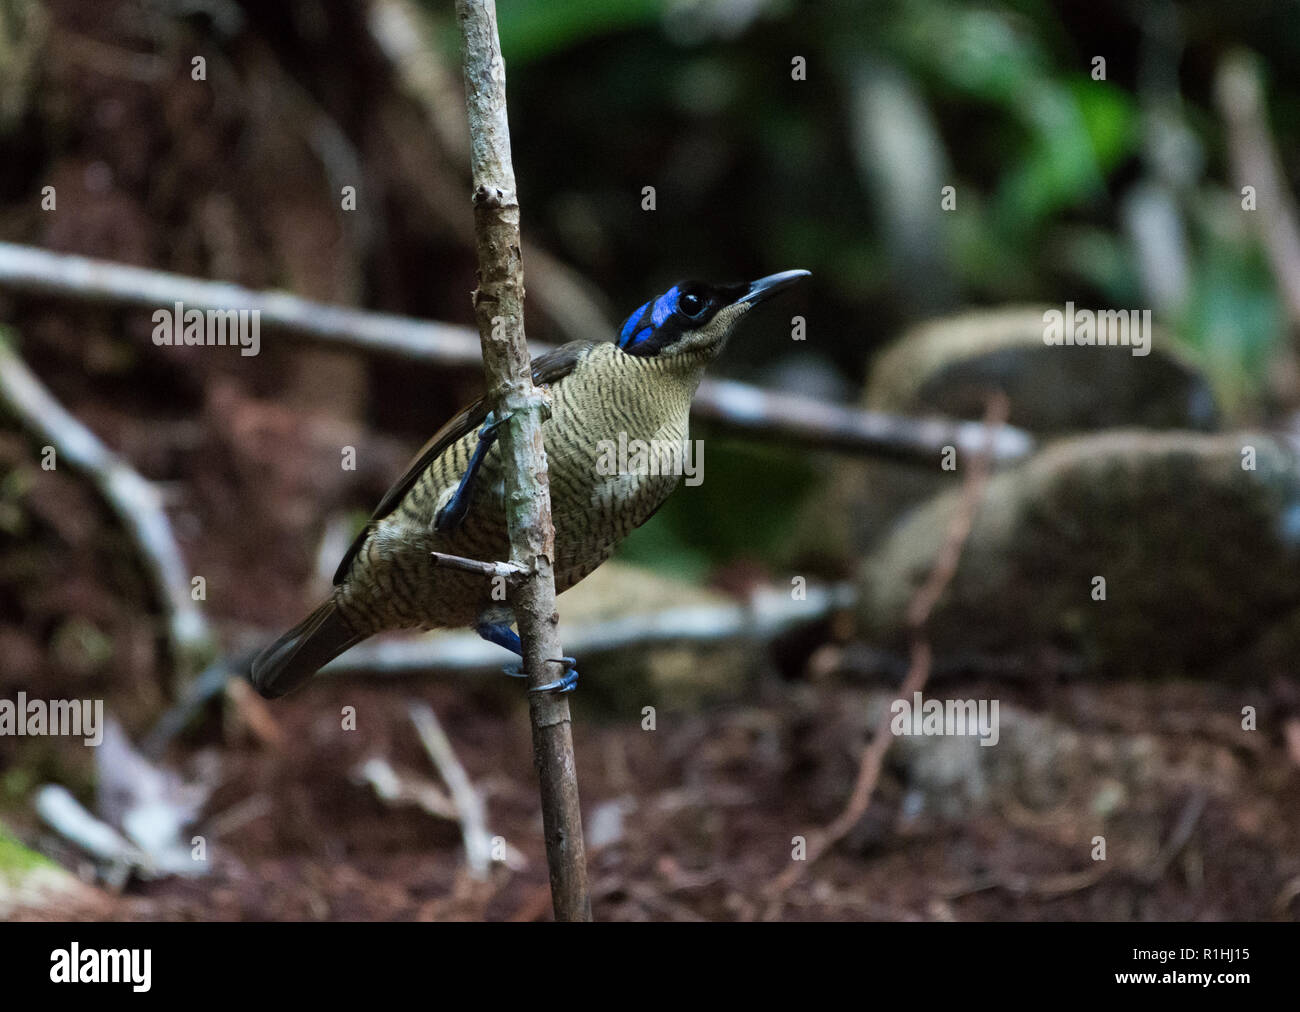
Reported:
(695, 819)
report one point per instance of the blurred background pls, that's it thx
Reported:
(947, 171)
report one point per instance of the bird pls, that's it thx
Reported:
(451, 498)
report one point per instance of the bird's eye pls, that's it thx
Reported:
(691, 304)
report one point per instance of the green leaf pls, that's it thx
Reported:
(531, 29)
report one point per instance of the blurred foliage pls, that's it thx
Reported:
(744, 510)
(539, 28)
(14, 857)
(756, 172)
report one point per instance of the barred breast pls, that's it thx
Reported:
(601, 490)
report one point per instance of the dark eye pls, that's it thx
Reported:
(691, 304)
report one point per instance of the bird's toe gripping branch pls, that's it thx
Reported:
(453, 513)
(567, 682)
(503, 636)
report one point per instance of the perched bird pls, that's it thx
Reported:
(450, 500)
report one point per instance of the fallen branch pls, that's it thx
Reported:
(1179, 837)
(209, 684)
(254, 713)
(769, 415)
(134, 500)
(768, 613)
(1050, 887)
(26, 268)
(64, 814)
(498, 307)
(747, 410)
(393, 787)
(468, 803)
(918, 613)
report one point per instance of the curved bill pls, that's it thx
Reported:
(766, 287)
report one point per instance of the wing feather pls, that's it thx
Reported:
(548, 368)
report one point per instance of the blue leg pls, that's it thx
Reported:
(503, 636)
(453, 514)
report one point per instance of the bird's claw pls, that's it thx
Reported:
(565, 683)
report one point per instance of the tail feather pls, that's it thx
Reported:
(302, 651)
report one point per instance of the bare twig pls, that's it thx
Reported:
(255, 713)
(1239, 91)
(209, 684)
(769, 415)
(63, 813)
(1179, 837)
(403, 31)
(242, 813)
(1050, 887)
(393, 787)
(739, 407)
(498, 307)
(1286, 896)
(135, 501)
(918, 613)
(507, 569)
(468, 801)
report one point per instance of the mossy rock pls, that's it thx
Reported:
(1198, 555)
(667, 675)
(619, 680)
(950, 366)
(33, 885)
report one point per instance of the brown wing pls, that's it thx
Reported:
(549, 368)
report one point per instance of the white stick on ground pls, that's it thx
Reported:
(135, 501)
(469, 804)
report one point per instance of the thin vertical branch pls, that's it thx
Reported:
(498, 309)
(1239, 91)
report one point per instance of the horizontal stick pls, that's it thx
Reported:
(26, 268)
(745, 409)
(509, 570)
(769, 613)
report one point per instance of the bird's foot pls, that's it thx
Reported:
(565, 683)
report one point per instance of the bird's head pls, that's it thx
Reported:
(692, 320)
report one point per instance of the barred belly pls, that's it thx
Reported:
(394, 584)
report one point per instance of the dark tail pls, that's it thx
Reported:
(304, 649)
